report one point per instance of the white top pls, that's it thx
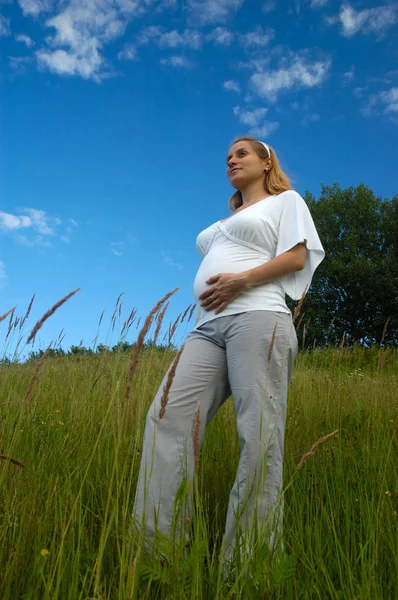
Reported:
(252, 237)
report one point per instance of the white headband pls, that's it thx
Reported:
(267, 148)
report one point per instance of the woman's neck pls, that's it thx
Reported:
(253, 194)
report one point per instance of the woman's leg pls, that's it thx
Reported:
(259, 380)
(168, 453)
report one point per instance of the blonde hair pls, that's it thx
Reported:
(275, 180)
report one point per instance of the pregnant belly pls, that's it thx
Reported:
(213, 264)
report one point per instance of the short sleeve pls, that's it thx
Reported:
(296, 226)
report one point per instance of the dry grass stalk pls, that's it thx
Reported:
(138, 322)
(172, 328)
(140, 341)
(299, 323)
(342, 341)
(191, 313)
(96, 381)
(131, 316)
(59, 338)
(165, 396)
(10, 323)
(185, 313)
(384, 330)
(330, 328)
(120, 295)
(196, 438)
(271, 346)
(308, 455)
(133, 567)
(129, 321)
(28, 309)
(13, 460)
(2, 317)
(49, 313)
(39, 365)
(100, 319)
(108, 373)
(299, 305)
(159, 322)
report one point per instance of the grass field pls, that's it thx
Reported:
(65, 510)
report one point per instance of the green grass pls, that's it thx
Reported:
(65, 516)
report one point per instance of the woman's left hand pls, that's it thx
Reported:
(225, 287)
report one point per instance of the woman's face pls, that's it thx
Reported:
(244, 166)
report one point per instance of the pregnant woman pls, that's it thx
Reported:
(243, 343)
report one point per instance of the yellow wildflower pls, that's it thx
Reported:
(57, 410)
(43, 422)
(61, 422)
(44, 552)
(388, 493)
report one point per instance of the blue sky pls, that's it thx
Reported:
(115, 120)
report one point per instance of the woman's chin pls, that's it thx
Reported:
(238, 182)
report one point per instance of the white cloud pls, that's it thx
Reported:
(318, 3)
(269, 6)
(349, 75)
(299, 73)
(25, 39)
(207, 12)
(257, 38)
(64, 63)
(64, 239)
(4, 26)
(359, 91)
(370, 20)
(220, 36)
(33, 8)
(3, 275)
(36, 220)
(310, 118)
(117, 248)
(169, 260)
(171, 39)
(180, 62)
(19, 62)
(265, 130)
(43, 242)
(383, 102)
(149, 34)
(390, 100)
(9, 221)
(232, 86)
(129, 52)
(81, 31)
(42, 222)
(23, 240)
(73, 222)
(255, 120)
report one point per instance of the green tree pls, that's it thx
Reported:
(355, 289)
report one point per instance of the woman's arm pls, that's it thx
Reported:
(289, 262)
(225, 287)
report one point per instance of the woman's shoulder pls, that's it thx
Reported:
(291, 198)
(289, 194)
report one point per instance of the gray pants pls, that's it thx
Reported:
(227, 354)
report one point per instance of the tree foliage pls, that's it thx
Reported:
(354, 292)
